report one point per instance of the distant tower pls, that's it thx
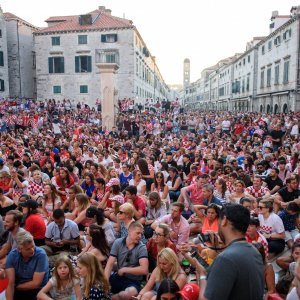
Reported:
(186, 73)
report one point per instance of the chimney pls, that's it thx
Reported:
(274, 14)
(295, 10)
(108, 11)
(101, 7)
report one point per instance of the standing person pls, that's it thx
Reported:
(95, 284)
(63, 284)
(131, 257)
(27, 269)
(242, 275)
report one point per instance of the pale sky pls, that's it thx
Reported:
(203, 31)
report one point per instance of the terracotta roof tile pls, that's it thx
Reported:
(101, 20)
(10, 16)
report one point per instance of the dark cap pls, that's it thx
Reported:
(30, 204)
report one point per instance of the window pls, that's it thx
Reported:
(262, 78)
(83, 64)
(276, 81)
(2, 85)
(1, 59)
(84, 89)
(109, 38)
(248, 58)
(248, 84)
(55, 41)
(56, 89)
(56, 64)
(82, 39)
(111, 58)
(269, 77)
(0, 33)
(277, 40)
(263, 50)
(287, 34)
(269, 45)
(244, 61)
(243, 86)
(286, 67)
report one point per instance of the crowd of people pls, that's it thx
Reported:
(168, 204)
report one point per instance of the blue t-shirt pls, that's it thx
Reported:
(289, 221)
(125, 179)
(24, 270)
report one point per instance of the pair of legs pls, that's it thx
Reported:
(123, 288)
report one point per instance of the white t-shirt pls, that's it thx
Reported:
(225, 125)
(271, 225)
(139, 186)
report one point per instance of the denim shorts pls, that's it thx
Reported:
(121, 283)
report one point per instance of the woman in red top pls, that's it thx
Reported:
(63, 181)
(34, 222)
(159, 241)
(5, 180)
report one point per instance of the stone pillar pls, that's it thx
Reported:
(107, 83)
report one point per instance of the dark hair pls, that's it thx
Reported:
(143, 166)
(261, 250)
(254, 221)
(244, 199)
(238, 215)
(295, 245)
(215, 207)
(99, 241)
(180, 205)
(98, 212)
(58, 213)
(167, 286)
(131, 189)
(293, 207)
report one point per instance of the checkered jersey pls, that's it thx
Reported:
(257, 193)
(35, 188)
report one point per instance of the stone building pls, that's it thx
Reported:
(68, 50)
(4, 77)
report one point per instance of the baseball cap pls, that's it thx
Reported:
(113, 181)
(190, 291)
(1, 161)
(30, 204)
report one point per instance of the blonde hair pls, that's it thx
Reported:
(63, 259)
(128, 209)
(83, 201)
(95, 274)
(169, 255)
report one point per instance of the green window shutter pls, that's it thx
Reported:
(89, 64)
(116, 37)
(50, 64)
(77, 64)
(103, 38)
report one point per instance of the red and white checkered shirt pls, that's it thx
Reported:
(257, 193)
(35, 188)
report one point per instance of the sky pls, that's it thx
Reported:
(203, 31)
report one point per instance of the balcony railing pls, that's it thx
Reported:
(110, 56)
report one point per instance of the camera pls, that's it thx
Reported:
(202, 238)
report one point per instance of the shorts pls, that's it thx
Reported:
(290, 235)
(121, 283)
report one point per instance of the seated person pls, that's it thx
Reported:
(180, 229)
(61, 234)
(290, 217)
(284, 262)
(131, 257)
(12, 224)
(168, 267)
(27, 269)
(159, 241)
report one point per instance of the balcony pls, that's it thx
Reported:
(109, 56)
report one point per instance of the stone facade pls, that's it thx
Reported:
(4, 77)
(138, 76)
(264, 78)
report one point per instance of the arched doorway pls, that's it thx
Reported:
(268, 108)
(261, 108)
(276, 109)
(285, 108)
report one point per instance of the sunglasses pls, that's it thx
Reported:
(156, 177)
(261, 207)
(121, 212)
